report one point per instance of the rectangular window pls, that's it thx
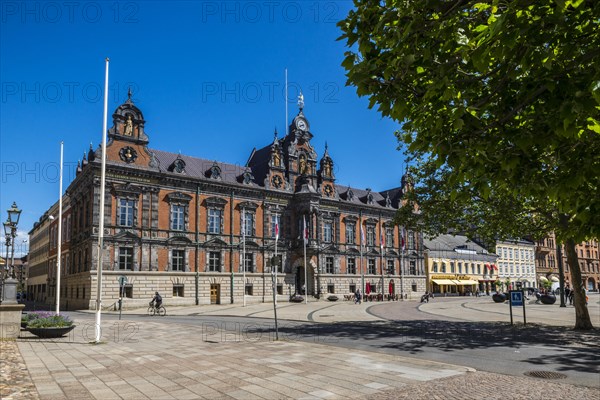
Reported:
(411, 240)
(413, 268)
(126, 258)
(129, 291)
(413, 287)
(391, 270)
(443, 267)
(249, 289)
(177, 290)
(280, 288)
(330, 288)
(435, 267)
(460, 268)
(275, 220)
(478, 269)
(247, 223)
(214, 220)
(329, 265)
(452, 267)
(372, 267)
(126, 212)
(352, 288)
(177, 217)
(389, 238)
(352, 265)
(214, 261)
(370, 236)
(178, 260)
(249, 262)
(327, 231)
(351, 233)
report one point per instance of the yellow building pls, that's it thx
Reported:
(456, 265)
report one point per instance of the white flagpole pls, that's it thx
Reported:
(305, 239)
(402, 264)
(244, 253)
(286, 104)
(58, 254)
(101, 222)
(381, 244)
(276, 266)
(362, 272)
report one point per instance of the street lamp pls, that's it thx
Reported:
(9, 284)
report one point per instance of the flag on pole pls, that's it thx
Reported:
(381, 237)
(276, 231)
(305, 231)
(362, 236)
(243, 223)
(402, 240)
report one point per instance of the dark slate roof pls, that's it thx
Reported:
(198, 167)
(446, 245)
(360, 195)
(259, 163)
(395, 196)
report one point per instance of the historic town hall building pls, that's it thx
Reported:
(173, 224)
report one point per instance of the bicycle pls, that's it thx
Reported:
(161, 311)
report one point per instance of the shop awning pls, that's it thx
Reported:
(466, 282)
(443, 282)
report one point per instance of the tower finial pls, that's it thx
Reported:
(129, 94)
(301, 101)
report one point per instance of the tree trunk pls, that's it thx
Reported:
(582, 316)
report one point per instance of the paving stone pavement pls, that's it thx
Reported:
(485, 385)
(160, 361)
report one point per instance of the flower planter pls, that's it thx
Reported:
(332, 298)
(548, 299)
(48, 333)
(499, 297)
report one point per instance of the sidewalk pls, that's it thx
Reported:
(155, 360)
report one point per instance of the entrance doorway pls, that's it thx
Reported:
(215, 293)
(300, 284)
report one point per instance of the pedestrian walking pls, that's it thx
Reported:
(571, 294)
(357, 297)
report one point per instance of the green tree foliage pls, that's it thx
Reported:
(500, 107)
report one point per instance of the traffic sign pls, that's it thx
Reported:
(516, 298)
(122, 280)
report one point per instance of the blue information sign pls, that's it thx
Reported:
(516, 298)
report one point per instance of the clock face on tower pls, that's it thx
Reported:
(277, 182)
(301, 124)
(328, 191)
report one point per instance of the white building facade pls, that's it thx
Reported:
(516, 263)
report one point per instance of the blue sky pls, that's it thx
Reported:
(208, 76)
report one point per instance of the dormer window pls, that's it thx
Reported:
(214, 172)
(178, 165)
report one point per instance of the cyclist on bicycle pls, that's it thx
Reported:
(157, 300)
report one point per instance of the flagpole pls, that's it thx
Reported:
(286, 104)
(277, 264)
(305, 239)
(243, 257)
(401, 265)
(274, 266)
(381, 244)
(362, 239)
(59, 251)
(101, 222)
